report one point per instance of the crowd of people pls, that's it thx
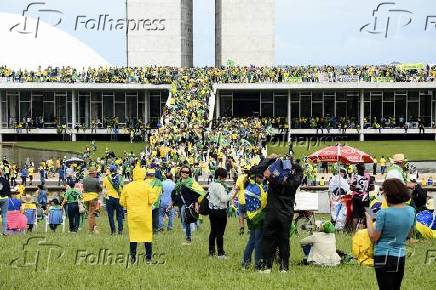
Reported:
(157, 185)
(230, 74)
(163, 178)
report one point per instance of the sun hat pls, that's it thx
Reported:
(397, 158)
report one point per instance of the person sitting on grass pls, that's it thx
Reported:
(320, 247)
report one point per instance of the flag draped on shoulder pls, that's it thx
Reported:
(191, 184)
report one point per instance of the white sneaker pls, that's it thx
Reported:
(222, 257)
(283, 271)
(266, 271)
(186, 243)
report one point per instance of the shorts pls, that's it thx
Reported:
(242, 209)
(359, 207)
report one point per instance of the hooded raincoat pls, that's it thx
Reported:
(137, 197)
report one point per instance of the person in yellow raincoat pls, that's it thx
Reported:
(137, 198)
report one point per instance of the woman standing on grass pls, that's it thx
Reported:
(187, 194)
(218, 200)
(394, 224)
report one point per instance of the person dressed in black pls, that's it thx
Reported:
(5, 194)
(219, 198)
(279, 210)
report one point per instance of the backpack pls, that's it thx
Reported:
(203, 208)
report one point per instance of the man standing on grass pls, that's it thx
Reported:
(91, 191)
(284, 177)
(113, 185)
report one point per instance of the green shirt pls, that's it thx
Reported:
(72, 195)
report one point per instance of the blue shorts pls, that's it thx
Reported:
(242, 209)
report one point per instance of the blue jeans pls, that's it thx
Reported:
(254, 243)
(170, 213)
(4, 207)
(186, 226)
(113, 204)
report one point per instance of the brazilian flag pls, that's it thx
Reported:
(191, 184)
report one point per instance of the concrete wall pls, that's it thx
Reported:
(245, 32)
(165, 36)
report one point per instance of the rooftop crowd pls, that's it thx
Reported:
(247, 74)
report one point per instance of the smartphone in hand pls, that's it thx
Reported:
(370, 212)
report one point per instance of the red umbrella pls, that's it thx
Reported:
(341, 153)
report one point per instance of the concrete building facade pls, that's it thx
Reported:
(160, 32)
(245, 32)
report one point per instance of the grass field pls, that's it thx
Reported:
(414, 150)
(79, 146)
(185, 267)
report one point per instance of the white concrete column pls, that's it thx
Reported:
(73, 115)
(289, 115)
(217, 104)
(147, 107)
(87, 110)
(1, 110)
(362, 115)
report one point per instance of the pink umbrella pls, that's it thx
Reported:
(341, 153)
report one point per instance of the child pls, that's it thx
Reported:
(54, 214)
(28, 208)
(42, 197)
(20, 189)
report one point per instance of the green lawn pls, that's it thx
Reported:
(79, 146)
(185, 267)
(414, 150)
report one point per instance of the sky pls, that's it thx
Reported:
(307, 31)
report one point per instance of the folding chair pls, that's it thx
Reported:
(32, 218)
(55, 216)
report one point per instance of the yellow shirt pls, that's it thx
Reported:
(321, 182)
(21, 188)
(28, 205)
(382, 162)
(241, 188)
(109, 189)
(30, 171)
